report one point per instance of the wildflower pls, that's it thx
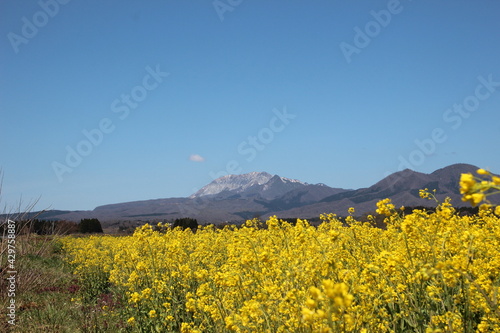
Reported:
(188, 328)
(135, 297)
(385, 207)
(321, 314)
(315, 292)
(475, 190)
(146, 293)
(484, 207)
(131, 321)
(339, 293)
(424, 194)
(141, 266)
(474, 198)
(308, 314)
(467, 182)
(310, 303)
(152, 313)
(230, 323)
(482, 172)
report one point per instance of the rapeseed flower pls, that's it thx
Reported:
(426, 271)
(475, 190)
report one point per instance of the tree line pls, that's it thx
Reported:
(52, 227)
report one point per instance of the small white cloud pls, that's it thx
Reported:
(196, 158)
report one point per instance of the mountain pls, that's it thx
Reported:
(229, 185)
(401, 187)
(250, 185)
(235, 198)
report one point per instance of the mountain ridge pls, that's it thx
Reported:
(233, 198)
(247, 185)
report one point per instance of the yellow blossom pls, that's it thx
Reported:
(482, 172)
(302, 277)
(467, 182)
(474, 198)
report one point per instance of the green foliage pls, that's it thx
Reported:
(88, 226)
(185, 223)
(46, 227)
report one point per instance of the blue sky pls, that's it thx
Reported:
(112, 101)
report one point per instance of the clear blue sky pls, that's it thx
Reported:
(173, 93)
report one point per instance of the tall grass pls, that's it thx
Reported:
(45, 288)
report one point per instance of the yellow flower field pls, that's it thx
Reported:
(426, 272)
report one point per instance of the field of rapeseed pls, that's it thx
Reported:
(425, 272)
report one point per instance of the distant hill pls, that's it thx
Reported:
(402, 187)
(235, 198)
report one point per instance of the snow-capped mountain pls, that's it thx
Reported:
(240, 197)
(253, 184)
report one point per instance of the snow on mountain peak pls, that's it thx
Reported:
(249, 183)
(293, 180)
(235, 183)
